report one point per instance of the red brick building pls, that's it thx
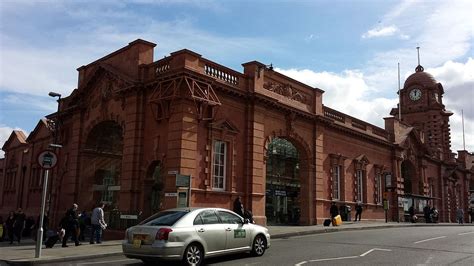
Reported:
(133, 127)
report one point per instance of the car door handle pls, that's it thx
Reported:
(201, 230)
(228, 229)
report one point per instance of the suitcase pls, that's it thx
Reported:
(51, 241)
(327, 222)
(337, 220)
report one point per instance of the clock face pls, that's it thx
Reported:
(415, 94)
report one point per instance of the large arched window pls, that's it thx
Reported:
(102, 161)
(282, 183)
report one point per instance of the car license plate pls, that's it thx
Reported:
(137, 243)
(239, 233)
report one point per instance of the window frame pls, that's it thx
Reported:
(336, 182)
(379, 188)
(360, 185)
(223, 166)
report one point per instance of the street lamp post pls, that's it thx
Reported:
(55, 143)
(47, 161)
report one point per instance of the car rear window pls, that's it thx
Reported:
(167, 218)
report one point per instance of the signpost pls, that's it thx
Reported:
(47, 160)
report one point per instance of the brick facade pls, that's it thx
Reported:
(132, 124)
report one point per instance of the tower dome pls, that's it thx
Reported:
(420, 78)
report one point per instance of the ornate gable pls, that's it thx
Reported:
(17, 138)
(225, 125)
(361, 161)
(101, 85)
(42, 129)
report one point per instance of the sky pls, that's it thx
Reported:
(350, 49)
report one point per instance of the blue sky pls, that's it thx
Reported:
(350, 49)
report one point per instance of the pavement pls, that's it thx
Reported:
(24, 253)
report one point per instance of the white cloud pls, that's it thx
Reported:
(351, 93)
(380, 32)
(347, 92)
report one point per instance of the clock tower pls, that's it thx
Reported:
(421, 103)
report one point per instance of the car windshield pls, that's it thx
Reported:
(164, 218)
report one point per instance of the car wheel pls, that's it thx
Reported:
(259, 245)
(194, 255)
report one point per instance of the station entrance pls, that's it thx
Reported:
(283, 185)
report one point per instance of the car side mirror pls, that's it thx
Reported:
(246, 221)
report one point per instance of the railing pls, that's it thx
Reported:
(162, 66)
(359, 124)
(221, 73)
(333, 114)
(379, 132)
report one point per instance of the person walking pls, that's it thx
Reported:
(83, 218)
(333, 210)
(70, 224)
(98, 223)
(19, 225)
(460, 215)
(358, 211)
(434, 215)
(238, 206)
(9, 226)
(471, 213)
(2, 228)
(426, 213)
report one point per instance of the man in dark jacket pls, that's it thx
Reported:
(358, 211)
(333, 210)
(70, 223)
(238, 206)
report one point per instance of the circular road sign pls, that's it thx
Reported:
(47, 159)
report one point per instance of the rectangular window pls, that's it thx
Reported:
(336, 182)
(360, 174)
(219, 165)
(378, 181)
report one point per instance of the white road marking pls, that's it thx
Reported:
(381, 249)
(465, 233)
(342, 258)
(102, 262)
(429, 239)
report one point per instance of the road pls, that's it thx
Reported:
(448, 245)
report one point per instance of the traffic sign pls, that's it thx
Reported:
(47, 159)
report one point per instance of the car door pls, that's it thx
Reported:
(237, 233)
(210, 230)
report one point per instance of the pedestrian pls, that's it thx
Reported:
(460, 215)
(358, 211)
(83, 217)
(471, 213)
(70, 224)
(413, 217)
(2, 228)
(426, 213)
(9, 226)
(434, 214)
(98, 223)
(45, 226)
(238, 206)
(333, 210)
(19, 225)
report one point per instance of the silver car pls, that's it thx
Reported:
(191, 234)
